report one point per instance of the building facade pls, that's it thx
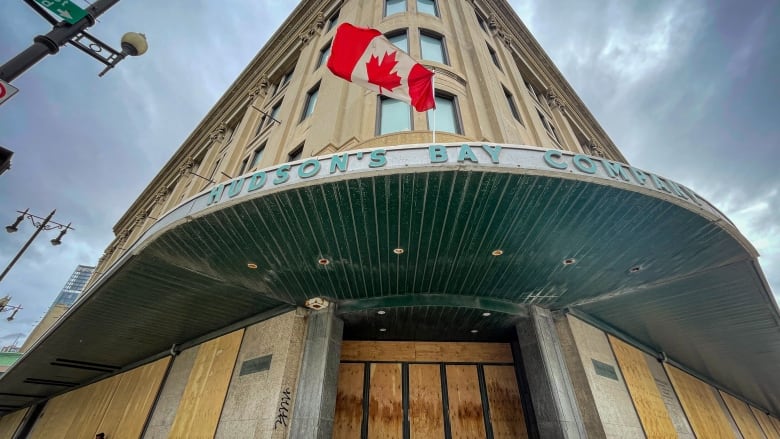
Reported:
(311, 263)
(67, 297)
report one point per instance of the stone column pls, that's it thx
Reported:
(315, 399)
(552, 393)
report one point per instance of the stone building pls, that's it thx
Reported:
(310, 263)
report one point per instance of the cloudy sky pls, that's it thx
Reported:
(688, 89)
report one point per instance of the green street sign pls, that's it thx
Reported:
(64, 9)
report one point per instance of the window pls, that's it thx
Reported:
(512, 107)
(243, 166)
(427, 7)
(311, 101)
(481, 21)
(532, 91)
(296, 153)
(333, 20)
(394, 116)
(494, 57)
(269, 118)
(394, 7)
(399, 39)
(324, 54)
(432, 48)
(284, 80)
(446, 115)
(549, 127)
(257, 156)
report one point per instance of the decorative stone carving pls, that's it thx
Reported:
(553, 100)
(594, 148)
(139, 219)
(219, 132)
(161, 195)
(187, 166)
(319, 21)
(259, 88)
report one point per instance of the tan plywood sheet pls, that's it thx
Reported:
(707, 417)
(745, 420)
(56, 417)
(10, 422)
(643, 390)
(349, 402)
(426, 412)
(129, 408)
(204, 395)
(465, 402)
(426, 352)
(766, 424)
(506, 410)
(92, 402)
(385, 406)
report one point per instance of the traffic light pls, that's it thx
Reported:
(5, 159)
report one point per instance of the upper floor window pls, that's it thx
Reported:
(311, 101)
(482, 22)
(296, 153)
(394, 116)
(432, 47)
(333, 20)
(285, 79)
(324, 54)
(446, 116)
(532, 91)
(394, 7)
(549, 127)
(427, 7)
(269, 118)
(494, 57)
(510, 100)
(399, 39)
(257, 155)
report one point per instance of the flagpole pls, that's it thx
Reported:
(433, 85)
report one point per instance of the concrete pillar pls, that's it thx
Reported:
(552, 393)
(315, 399)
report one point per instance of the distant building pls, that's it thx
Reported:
(67, 297)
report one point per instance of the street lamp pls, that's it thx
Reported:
(40, 224)
(72, 30)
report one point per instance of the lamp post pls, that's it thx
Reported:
(40, 224)
(66, 31)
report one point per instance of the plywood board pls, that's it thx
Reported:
(385, 406)
(704, 411)
(349, 402)
(465, 403)
(642, 387)
(766, 424)
(426, 411)
(776, 423)
(129, 408)
(92, 402)
(426, 352)
(56, 417)
(745, 420)
(201, 403)
(506, 410)
(10, 423)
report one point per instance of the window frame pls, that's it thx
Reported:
(398, 32)
(456, 108)
(494, 56)
(295, 154)
(379, 108)
(435, 8)
(324, 55)
(384, 8)
(510, 100)
(332, 20)
(253, 158)
(443, 44)
(549, 127)
(308, 107)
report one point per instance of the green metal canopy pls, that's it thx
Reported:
(451, 242)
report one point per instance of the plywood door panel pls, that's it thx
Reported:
(776, 423)
(10, 422)
(766, 424)
(385, 406)
(705, 414)
(92, 403)
(506, 410)
(203, 398)
(745, 420)
(426, 412)
(465, 403)
(132, 400)
(349, 402)
(643, 390)
(426, 352)
(56, 417)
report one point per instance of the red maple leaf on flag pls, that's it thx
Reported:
(381, 73)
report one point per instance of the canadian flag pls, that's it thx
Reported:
(365, 57)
